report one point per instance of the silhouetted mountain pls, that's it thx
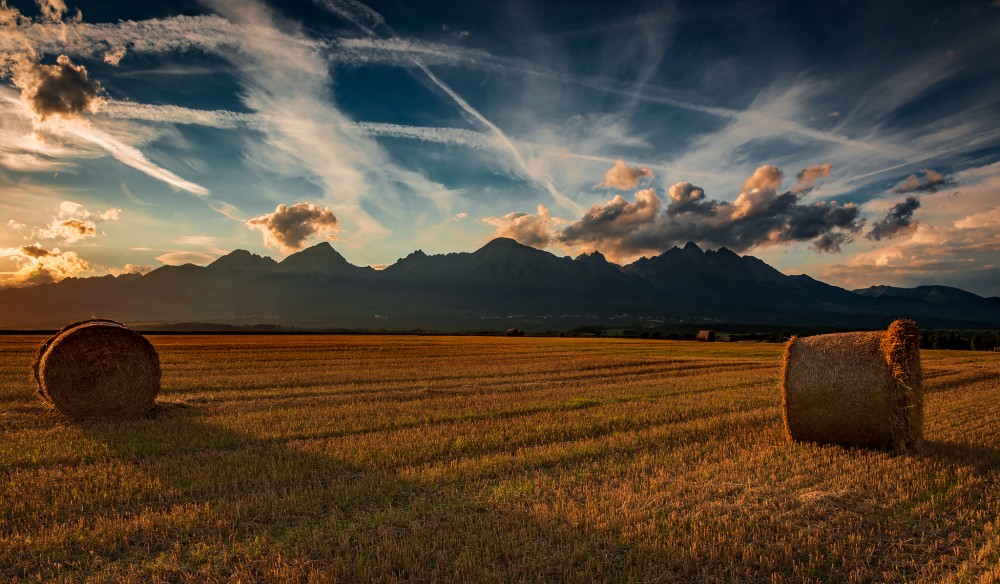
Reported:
(243, 261)
(503, 282)
(320, 259)
(932, 294)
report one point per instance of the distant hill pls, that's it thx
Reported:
(932, 294)
(500, 284)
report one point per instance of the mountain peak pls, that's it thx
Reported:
(505, 247)
(594, 257)
(692, 247)
(321, 247)
(503, 243)
(320, 258)
(242, 260)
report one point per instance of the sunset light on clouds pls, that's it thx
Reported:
(858, 143)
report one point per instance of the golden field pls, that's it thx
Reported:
(458, 459)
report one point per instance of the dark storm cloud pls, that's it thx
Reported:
(897, 221)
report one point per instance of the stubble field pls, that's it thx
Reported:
(403, 458)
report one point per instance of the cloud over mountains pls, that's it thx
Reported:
(288, 227)
(762, 215)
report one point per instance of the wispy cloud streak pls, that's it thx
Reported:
(368, 20)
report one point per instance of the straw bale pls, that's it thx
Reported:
(98, 368)
(858, 389)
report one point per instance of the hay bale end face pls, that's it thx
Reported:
(856, 389)
(705, 336)
(98, 369)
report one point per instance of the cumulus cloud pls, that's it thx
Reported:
(37, 265)
(960, 248)
(74, 209)
(760, 216)
(988, 218)
(75, 223)
(613, 220)
(114, 56)
(534, 230)
(15, 225)
(914, 184)
(623, 177)
(63, 89)
(69, 230)
(810, 175)
(288, 228)
(758, 190)
(897, 221)
(831, 242)
(962, 254)
(52, 10)
(131, 269)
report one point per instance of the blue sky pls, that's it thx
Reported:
(856, 142)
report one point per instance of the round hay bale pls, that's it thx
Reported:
(98, 368)
(857, 389)
(705, 336)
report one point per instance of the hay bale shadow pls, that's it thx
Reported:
(985, 459)
(333, 517)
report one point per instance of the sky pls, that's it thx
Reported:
(856, 142)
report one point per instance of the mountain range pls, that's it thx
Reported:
(502, 284)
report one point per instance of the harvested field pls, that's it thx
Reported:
(403, 458)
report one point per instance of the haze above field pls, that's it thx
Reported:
(858, 143)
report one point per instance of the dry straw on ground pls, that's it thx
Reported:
(706, 336)
(98, 368)
(859, 389)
